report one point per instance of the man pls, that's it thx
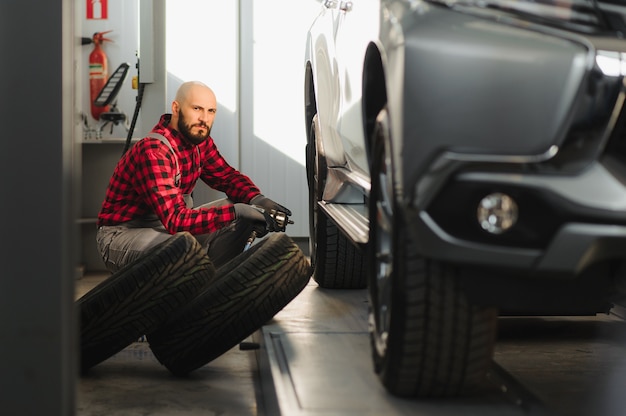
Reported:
(148, 197)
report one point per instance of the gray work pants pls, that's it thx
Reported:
(122, 244)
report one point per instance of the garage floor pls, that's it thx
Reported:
(314, 359)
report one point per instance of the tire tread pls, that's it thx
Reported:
(139, 297)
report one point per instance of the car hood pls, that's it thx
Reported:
(596, 17)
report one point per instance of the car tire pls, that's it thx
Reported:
(139, 297)
(335, 262)
(427, 340)
(249, 290)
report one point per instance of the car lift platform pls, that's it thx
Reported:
(315, 359)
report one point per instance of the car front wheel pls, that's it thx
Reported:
(427, 339)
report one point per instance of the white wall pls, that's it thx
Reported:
(202, 44)
(273, 133)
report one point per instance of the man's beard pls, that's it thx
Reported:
(185, 129)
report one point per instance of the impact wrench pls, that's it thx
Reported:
(281, 220)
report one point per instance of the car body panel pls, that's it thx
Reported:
(509, 101)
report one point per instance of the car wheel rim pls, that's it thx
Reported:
(314, 196)
(383, 262)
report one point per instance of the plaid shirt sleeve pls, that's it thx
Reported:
(219, 175)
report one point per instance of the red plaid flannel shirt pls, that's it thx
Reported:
(143, 183)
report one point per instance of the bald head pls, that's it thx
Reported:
(186, 89)
(193, 111)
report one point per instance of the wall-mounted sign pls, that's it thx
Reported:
(97, 9)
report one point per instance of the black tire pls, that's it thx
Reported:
(249, 290)
(138, 298)
(335, 262)
(427, 340)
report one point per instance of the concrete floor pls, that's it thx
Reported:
(314, 359)
(574, 365)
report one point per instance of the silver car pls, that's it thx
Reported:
(466, 160)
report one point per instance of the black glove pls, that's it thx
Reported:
(269, 205)
(262, 221)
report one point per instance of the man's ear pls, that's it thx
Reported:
(175, 108)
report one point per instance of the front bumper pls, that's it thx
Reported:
(566, 223)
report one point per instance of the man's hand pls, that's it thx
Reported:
(269, 205)
(260, 218)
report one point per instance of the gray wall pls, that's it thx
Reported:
(37, 335)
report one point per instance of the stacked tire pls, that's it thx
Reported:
(248, 291)
(138, 298)
(190, 312)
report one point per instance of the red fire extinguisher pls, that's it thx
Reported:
(98, 72)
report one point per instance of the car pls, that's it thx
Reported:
(466, 160)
